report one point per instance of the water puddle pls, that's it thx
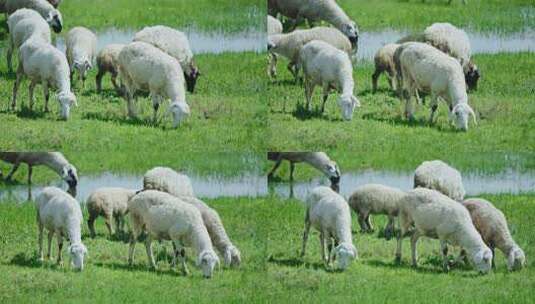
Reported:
(247, 185)
(475, 183)
(201, 42)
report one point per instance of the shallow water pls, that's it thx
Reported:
(475, 183)
(247, 185)
(201, 42)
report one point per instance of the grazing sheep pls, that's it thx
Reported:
(315, 10)
(176, 44)
(274, 26)
(108, 61)
(60, 214)
(81, 51)
(329, 213)
(43, 63)
(384, 62)
(23, 25)
(145, 67)
(289, 45)
(492, 225)
(452, 41)
(43, 7)
(165, 217)
(421, 67)
(437, 216)
(108, 203)
(318, 160)
(438, 175)
(168, 180)
(376, 199)
(330, 68)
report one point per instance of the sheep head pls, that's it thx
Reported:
(179, 110)
(232, 256)
(482, 260)
(351, 30)
(347, 104)
(516, 259)
(77, 252)
(66, 100)
(207, 260)
(191, 77)
(345, 253)
(55, 21)
(460, 115)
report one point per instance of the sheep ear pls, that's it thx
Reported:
(471, 111)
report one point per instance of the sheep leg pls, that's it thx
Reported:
(133, 237)
(369, 223)
(322, 247)
(31, 87)
(60, 248)
(414, 242)
(114, 82)
(375, 77)
(98, 80)
(50, 236)
(155, 106)
(150, 256)
(182, 254)
(325, 96)
(108, 225)
(305, 234)
(492, 250)
(9, 54)
(117, 221)
(13, 170)
(403, 226)
(41, 228)
(277, 164)
(330, 250)
(91, 225)
(47, 94)
(20, 73)
(389, 227)
(30, 171)
(362, 222)
(292, 168)
(408, 105)
(309, 90)
(272, 65)
(434, 106)
(444, 250)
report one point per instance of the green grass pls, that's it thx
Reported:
(268, 233)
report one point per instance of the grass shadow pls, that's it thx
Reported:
(296, 262)
(7, 75)
(139, 268)
(300, 112)
(403, 265)
(25, 112)
(398, 120)
(104, 117)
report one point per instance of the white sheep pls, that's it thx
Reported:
(329, 213)
(23, 25)
(437, 216)
(108, 62)
(176, 44)
(421, 67)
(60, 214)
(438, 175)
(384, 62)
(166, 217)
(108, 203)
(288, 45)
(315, 10)
(454, 42)
(376, 199)
(43, 63)
(43, 7)
(145, 67)
(330, 68)
(168, 180)
(492, 225)
(81, 51)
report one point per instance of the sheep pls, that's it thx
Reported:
(490, 222)
(60, 214)
(421, 67)
(274, 26)
(23, 25)
(108, 203)
(330, 68)
(438, 175)
(384, 62)
(376, 199)
(289, 45)
(145, 67)
(452, 41)
(318, 160)
(55, 4)
(176, 44)
(107, 61)
(43, 63)
(315, 10)
(81, 52)
(437, 216)
(168, 180)
(165, 217)
(43, 7)
(329, 213)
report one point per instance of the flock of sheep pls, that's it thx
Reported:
(158, 61)
(436, 62)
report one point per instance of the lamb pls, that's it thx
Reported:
(168, 180)
(315, 10)
(43, 63)
(176, 44)
(23, 25)
(330, 68)
(43, 7)
(452, 41)
(289, 45)
(165, 217)
(492, 225)
(81, 51)
(108, 61)
(376, 199)
(421, 67)
(438, 175)
(329, 213)
(145, 67)
(437, 216)
(318, 160)
(384, 62)
(108, 203)
(60, 214)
